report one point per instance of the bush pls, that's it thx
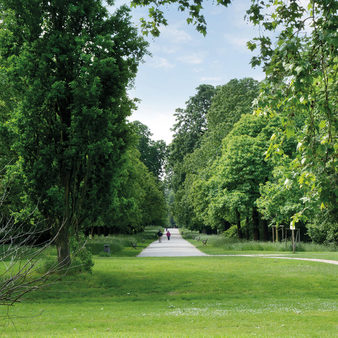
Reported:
(323, 230)
(189, 234)
(48, 264)
(82, 260)
(231, 233)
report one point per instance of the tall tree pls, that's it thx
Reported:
(228, 104)
(298, 51)
(70, 63)
(300, 63)
(240, 170)
(191, 123)
(232, 100)
(152, 153)
(138, 199)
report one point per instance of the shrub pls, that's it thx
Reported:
(323, 230)
(231, 232)
(82, 260)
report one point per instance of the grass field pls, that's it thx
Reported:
(219, 245)
(183, 297)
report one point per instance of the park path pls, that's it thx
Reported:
(176, 247)
(277, 256)
(179, 247)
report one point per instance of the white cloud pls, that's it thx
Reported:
(159, 121)
(160, 62)
(175, 35)
(164, 48)
(192, 59)
(198, 69)
(238, 42)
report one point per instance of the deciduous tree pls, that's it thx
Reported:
(190, 124)
(70, 63)
(152, 153)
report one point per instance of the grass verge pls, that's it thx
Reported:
(122, 245)
(219, 245)
(184, 297)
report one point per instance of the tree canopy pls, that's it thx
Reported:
(227, 105)
(191, 123)
(152, 153)
(297, 49)
(69, 63)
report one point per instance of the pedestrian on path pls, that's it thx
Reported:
(174, 248)
(168, 235)
(159, 235)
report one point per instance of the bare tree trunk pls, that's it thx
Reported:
(62, 240)
(63, 247)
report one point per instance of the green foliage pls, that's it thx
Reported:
(189, 234)
(280, 196)
(323, 229)
(233, 184)
(301, 85)
(121, 244)
(48, 264)
(297, 50)
(82, 260)
(157, 17)
(139, 199)
(189, 178)
(228, 243)
(152, 153)
(231, 233)
(69, 64)
(230, 102)
(191, 124)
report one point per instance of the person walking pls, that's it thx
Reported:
(159, 235)
(168, 235)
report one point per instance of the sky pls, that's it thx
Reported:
(182, 59)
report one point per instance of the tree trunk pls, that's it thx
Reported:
(63, 248)
(255, 222)
(247, 233)
(265, 230)
(239, 230)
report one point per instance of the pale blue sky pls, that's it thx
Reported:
(182, 59)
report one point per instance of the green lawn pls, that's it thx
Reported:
(219, 245)
(184, 297)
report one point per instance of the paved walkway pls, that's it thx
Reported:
(278, 256)
(179, 247)
(176, 247)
